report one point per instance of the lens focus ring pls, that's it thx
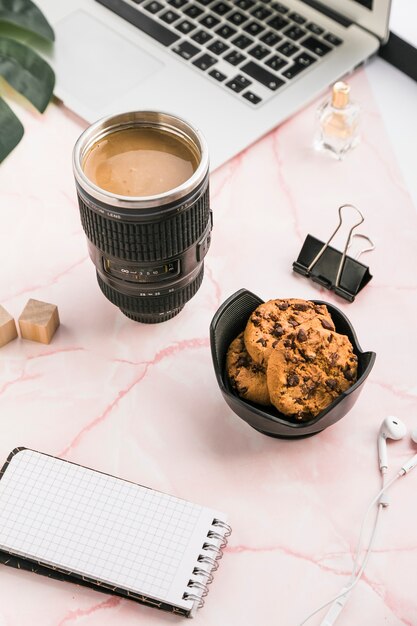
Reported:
(152, 305)
(152, 241)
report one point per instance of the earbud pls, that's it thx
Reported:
(391, 428)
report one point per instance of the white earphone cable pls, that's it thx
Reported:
(350, 586)
(359, 542)
(340, 601)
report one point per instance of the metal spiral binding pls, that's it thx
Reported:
(213, 535)
(199, 571)
(194, 598)
(227, 527)
(210, 559)
(203, 558)
(214, 548)
(198, 585)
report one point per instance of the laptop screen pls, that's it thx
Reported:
(370, 14)
(403, 21)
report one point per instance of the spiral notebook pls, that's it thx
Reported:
(73, 523)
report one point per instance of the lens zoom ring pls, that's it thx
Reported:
(151, 241)
(152, 304)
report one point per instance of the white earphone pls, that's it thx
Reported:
(391, 428)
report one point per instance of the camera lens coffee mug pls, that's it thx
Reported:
(142, 186)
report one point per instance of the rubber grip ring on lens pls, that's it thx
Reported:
(148, 241)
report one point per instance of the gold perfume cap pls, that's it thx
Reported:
(340, 95)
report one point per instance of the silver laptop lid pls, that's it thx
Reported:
(370, 14)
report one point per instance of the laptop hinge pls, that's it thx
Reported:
(340, 19)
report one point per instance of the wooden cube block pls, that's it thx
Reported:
(8, 330)
(39, 321)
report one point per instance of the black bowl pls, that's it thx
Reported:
(229, 321)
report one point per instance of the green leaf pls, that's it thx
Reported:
(26, 15)
(26, 72)
(11, 130)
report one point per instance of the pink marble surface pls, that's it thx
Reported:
(142, 402)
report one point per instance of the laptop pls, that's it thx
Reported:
(235, 69)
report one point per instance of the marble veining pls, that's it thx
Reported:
(141, 402)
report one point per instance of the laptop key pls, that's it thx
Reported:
(237, 18)
(185, 27)
(296, 17)
(288, 48)
(243, 80)
(177, 4)
(270, 38)
(218, 75)
(335, 41)
(316, 46)
(276, 62)
(303, 61)
(169, 16)
(221, 8)
(218, 47)
(253, 28)
(144, 22)
(204, 2)
(239, 83)
(314, 28)
(234, 86)
(225, 31)
(294, 32)
(153, 7)
(242, 42)
(205, 62)
(278, 22)
(209, 21)
(262, 75)
(193, 11)
(186, 49)
(202, 36)
(258, 52)
(261, 13)
(280, 7)
(234, 57)
(245, 4)
(252, 97)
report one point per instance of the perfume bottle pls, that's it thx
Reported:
(338, 122)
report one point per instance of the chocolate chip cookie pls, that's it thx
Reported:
(247, 377)
(273, 320)
(308, 370)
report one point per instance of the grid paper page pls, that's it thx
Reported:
(102, 527)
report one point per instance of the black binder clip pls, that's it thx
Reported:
(332, 269)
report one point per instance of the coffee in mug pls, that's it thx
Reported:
(140, 161)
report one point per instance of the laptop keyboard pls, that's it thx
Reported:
(248, 47)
